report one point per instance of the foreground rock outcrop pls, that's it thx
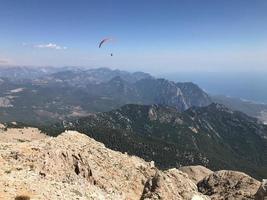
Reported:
(74, 166)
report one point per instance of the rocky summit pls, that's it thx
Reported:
(74, 166)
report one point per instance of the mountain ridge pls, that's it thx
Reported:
(212, 136)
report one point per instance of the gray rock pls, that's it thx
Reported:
(262, 191)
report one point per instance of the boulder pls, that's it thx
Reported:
(230, 185)
(171, 184)
(196, 173)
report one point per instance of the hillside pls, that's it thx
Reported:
(212, 136)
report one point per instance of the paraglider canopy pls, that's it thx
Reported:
(104, 41)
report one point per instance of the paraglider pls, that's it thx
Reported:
(104, 41)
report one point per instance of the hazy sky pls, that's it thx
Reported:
(149, 35)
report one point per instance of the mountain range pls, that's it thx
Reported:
(51, 97)
(75, 91)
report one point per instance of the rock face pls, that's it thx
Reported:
(196, 173)
(262, 191)
(170, 185)
(74, 166)
(229, 185)
(179, 95)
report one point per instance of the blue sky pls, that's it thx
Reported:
(149, 35)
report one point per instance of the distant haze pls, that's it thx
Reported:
(249, 86)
